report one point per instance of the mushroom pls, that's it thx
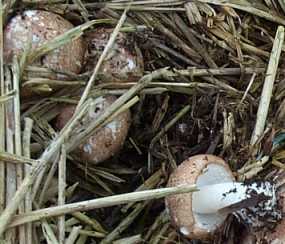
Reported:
(200, 215)
(106, 141)
(37, 27)
(124, 61)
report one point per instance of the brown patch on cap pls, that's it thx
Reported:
(124, 61)
(108, 140)
(180, 206)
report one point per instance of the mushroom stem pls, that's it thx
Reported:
(214, 198)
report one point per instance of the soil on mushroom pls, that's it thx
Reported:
(235, 43)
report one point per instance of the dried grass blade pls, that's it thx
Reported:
(267, 90)
(12, 158)
(125, 223)
(247, 7)
(11, 175)
(101, 203)
(73, 235)
(12, 206)
(27, 153)
(18, 140)
(61, 193)
(2, 113)
(48, 233)
(93, 223)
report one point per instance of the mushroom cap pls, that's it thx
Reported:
(106, 141)
(38, 27)
(124, 62)
(195, 170)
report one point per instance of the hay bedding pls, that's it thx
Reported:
(216, 54)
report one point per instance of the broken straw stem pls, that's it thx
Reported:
(18, 140)
(73, 235)
(268, 85)
(2, 112)
(100, 203)
(61, 193)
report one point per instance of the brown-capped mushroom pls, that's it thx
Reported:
(199, 215)
(200, 170)
(124, 61)
(105, 142)
(37, 27)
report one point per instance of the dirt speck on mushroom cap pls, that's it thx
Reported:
(124, 61)
(106, 141)
(38, 27)
(180, 206)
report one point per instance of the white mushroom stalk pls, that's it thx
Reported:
(254, 203)
(216, 197)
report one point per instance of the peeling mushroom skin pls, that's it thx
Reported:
(105, 142)
(180, 206)
(124, 62)
(37, 27)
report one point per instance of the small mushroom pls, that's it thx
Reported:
(200, 170)
(200, 215)
(124, 62)
(38, 27)
(105, 142)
